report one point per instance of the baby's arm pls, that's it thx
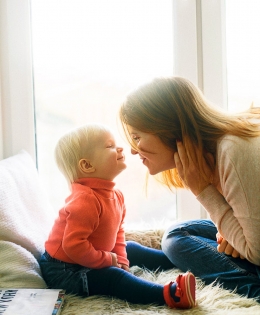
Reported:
(116, 264)
(81, 222)
(114, 260)
(120, 245)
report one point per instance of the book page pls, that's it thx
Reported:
(28, 301)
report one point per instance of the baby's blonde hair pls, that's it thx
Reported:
(76, 144)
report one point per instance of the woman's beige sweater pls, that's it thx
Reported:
(233, 200)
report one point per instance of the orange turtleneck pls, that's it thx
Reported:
(90, 225)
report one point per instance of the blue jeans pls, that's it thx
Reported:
(192, 246)
(76, 279)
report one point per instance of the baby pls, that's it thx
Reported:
(86, 252)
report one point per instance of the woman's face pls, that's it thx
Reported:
(156, 156)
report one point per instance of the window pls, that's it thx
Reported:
(243, 51)
(87, 55)
(199, 33)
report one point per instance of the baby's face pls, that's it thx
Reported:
(108, 158)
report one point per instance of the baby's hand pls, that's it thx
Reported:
(114, 260)
(125, 267)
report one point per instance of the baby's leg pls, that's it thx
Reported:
(147, 257)
(119, 283)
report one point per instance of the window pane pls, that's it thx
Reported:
(243, 51)
(87, 56)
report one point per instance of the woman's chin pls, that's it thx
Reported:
(152, 172)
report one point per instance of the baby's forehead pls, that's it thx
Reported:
(104, 136)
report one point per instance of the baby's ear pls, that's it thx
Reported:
(85, 166)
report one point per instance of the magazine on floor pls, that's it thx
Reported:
(31, 301)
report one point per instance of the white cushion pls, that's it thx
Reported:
(26, 216)
(19, 268)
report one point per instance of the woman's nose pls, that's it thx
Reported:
(119, 149)
(133, 151)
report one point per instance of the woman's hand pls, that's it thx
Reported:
(225, 247)
(188, 169)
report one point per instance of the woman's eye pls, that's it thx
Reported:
(136, 139)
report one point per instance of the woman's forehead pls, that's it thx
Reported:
(132, 129)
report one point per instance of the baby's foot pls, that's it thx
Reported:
(181, 293)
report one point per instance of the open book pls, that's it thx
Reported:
(31, 301)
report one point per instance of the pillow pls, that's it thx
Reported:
(26, 216)
(19, 268)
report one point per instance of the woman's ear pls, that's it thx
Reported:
(85, 166)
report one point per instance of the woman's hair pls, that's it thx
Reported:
(173, 108)
(76, 144)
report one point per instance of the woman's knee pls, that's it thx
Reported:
(204, 228)
(172, 240)
(172, 234)
(188, 241)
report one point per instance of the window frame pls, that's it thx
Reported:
(17, 125)
(199, 39)
(200, 21)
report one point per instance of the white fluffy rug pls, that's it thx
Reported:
(210, 299)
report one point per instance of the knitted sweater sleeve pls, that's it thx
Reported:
(236, 209)
(120, 245)
(81, 222)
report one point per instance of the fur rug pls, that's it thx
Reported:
(210, 299)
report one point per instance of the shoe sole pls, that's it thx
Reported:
(190, 284)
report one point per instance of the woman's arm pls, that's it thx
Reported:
(235, 210)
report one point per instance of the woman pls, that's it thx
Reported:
(216, 155)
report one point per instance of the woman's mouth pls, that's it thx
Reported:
(143, 159)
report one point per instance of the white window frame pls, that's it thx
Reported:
(199, 41)
(17, 127)
(200, 56)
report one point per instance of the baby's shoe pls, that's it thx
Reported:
(184, 296)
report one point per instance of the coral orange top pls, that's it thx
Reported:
(90, 225)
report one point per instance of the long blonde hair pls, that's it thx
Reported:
(173, 108)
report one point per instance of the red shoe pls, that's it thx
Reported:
(185, 290)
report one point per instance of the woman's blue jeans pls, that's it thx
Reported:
(192, 246)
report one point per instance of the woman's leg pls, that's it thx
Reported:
(150, 258)
(192, 245)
